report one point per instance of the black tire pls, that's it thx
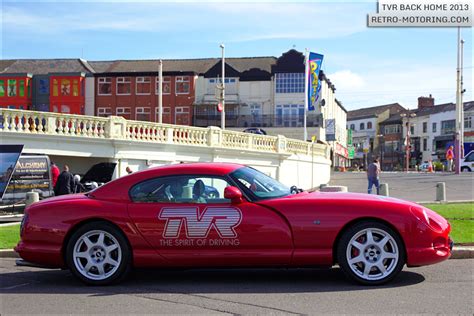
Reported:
(373, 255)
(120, 258)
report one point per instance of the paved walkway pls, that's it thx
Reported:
(417, 187)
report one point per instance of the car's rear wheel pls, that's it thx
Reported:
(371, 253)
(98, 254)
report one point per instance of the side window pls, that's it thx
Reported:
(181, 189)
(469, 158)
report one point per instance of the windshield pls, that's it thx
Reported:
(259, 184)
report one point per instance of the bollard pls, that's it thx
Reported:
(384, 189)
(333, 188)
(31, 197)
(441, 192)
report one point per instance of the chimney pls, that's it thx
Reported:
(424, 102)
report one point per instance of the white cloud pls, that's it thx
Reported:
(347, 80)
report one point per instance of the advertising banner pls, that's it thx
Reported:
(330, 130)
(9, 155)
(314, 86)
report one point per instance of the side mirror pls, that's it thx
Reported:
(233, 194)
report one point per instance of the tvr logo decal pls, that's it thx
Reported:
(223, 219)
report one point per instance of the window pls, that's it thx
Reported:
(425, 144)
(180, 189)
(21, 88)
(55, 88)
(2, 88)
(182, 115)
(166, 114)
(412, 130)
(433, 127)
(182, 85)
(143, 85)
(468, 122)
(289, 82)
(289, 115)
(65, 108)
(353, 127)
(369, 125)
(425, 127)
(166, 85)
(75, 88)
(123, 86)
(391, 146)
(124, 112)
(104, 112)
(448, 127)
(143, 114)
(392, 129)
(362, 126)
(258, 184)
(65, 87)
(105, 86)
(12, 88)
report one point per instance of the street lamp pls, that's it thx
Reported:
(407, 140)
(223, 88)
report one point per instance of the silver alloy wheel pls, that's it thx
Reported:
(372, 254)
(97, 255)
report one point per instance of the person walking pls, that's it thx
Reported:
(65, 183)
(373, 173)
(449, 158)
(54, 173)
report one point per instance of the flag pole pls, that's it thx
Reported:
(306, 82)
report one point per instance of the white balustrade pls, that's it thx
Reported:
(20, 121)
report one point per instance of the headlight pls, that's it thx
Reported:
(422, 215)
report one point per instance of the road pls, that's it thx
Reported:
(416, 187)
(445, 288)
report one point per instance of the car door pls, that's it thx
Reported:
(189, 222)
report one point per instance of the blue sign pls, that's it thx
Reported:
(314, 86)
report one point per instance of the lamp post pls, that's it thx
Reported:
(407, 140)
(223, 88)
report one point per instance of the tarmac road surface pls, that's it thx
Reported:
(416, 187)
(445, 288)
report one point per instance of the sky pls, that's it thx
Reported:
(369, 66)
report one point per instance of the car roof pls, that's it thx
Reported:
(118, 189)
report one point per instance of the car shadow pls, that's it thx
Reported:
(194, 281)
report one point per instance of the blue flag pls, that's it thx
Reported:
(314, 86)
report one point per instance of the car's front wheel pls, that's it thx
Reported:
(98, 254)
(371, 253)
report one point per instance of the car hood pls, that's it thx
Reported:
(336, 198)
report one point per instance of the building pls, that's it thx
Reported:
(248, 93)
(55, 85)
(433, 128)
(366, 133)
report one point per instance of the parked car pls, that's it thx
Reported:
(255, 130)
(160, 217)
(467, 164)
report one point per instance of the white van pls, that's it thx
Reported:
(467, 164)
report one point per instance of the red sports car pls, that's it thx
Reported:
(227, 215)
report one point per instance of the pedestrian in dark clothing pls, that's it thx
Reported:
(65, 184)
(54, 173)
(373, 172)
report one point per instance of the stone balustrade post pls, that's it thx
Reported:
(281, 144)
(116, 127)
(214, 136)
(169, 135)
(51, 125)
